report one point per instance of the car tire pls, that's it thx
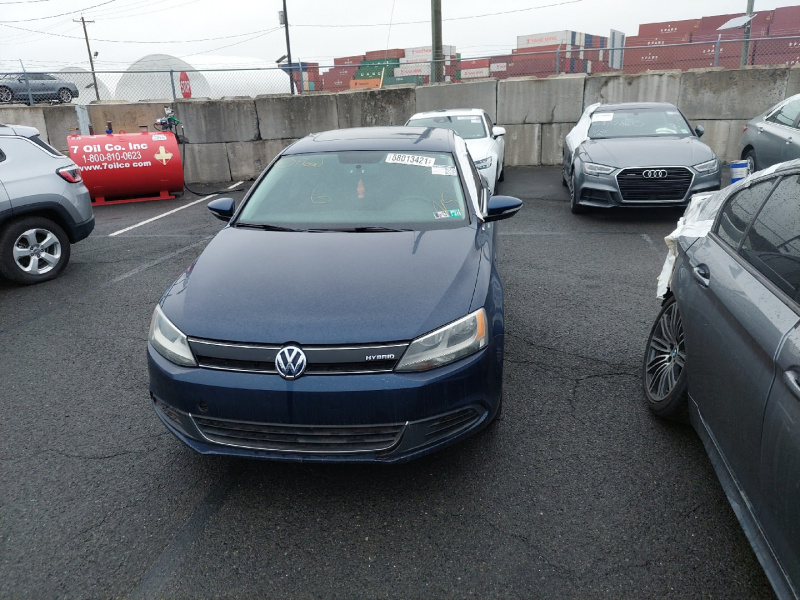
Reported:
(750, 157)
(6, 95)
(64, 96)
(33, 250)
(664, 367)
(577, 209)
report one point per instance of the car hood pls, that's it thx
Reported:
(480, 148)
(325, 288)
(647, 152)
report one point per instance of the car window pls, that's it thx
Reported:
(772, 245)
(787, 115)
(469, 127)
(44, 145)
(638, 122)
(739, 212)
(336, 190)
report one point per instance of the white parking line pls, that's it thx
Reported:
(156, 218)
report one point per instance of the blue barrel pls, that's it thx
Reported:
(739, 170)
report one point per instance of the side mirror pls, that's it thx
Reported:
(222, 208)
(498, 131)
(502, 207)
(699, 130)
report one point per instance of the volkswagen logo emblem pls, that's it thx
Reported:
(654, 173)
(290, 362)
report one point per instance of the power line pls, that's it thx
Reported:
(72, 12)
(506, 12)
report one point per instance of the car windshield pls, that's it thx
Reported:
(638, 122)
(469, 127)
(358, 190)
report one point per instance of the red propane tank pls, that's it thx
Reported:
(128, 167)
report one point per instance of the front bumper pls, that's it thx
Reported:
(603, 191)
(379, 418)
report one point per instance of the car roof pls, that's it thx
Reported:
(635, 105)
(446, 112)
(22, 130)
(405, 139)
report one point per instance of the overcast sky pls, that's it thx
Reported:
(44, 36)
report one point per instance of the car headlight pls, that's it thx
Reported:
(447, 344)
(594, 169)
(169, 341)
(707, 167)
(484, 163)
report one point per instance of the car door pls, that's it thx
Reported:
(791, 146)
(776, 132)
(733, 325)
(5, 201)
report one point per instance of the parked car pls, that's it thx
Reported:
(725, 350)
(44, 206)
(773, 136)
(351, 309)
(636, 154)
(485, 141)
(14, 87)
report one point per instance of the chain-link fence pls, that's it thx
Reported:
(84, 87)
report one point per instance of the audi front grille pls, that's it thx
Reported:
(654, 184)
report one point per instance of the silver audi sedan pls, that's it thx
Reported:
(636, 154)
(724, 352)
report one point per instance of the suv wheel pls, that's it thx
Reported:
(32, 250)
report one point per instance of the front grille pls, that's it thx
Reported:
(300, 438)
(451, 424)
(322, 360)
(635, 187)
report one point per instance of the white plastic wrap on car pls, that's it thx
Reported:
(580, 133)
(696, 222)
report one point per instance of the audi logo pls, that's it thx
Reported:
(654, 173)
(290, 362)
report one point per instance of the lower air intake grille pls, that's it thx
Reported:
(300, 438)
(450, 424)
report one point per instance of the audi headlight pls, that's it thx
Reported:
(594, 169)
(707, 167)
(484, 163)
(169, 341)
(447, 344)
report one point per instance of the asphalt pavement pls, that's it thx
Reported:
(576, 493)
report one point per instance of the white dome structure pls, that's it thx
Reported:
(82, 78)
(205, 77)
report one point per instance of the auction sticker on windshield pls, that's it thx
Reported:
(411, 159)
(600, 117)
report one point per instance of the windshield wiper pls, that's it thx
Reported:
(267, 227)
(371, 229)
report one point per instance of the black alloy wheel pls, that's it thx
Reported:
(574, 193)
(664, 366)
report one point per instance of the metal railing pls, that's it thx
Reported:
(173, 84)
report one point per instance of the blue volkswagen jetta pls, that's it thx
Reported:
(351, 310)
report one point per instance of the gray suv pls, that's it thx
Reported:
(44, 206)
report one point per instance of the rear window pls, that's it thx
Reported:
(332, 190)
(44, 145)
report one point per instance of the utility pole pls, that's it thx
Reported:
(91, 59)
(746, 44)
(437, 58)
(289, 50)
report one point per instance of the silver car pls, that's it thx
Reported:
(636, 154)
(14, 87)
(44, 206)
(773, 136)
(724, 351)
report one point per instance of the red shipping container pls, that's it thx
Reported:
(654, 58)
(381, 54)
(540, 66)
(348, 60)
(473, 63)
(672, 30)
(785, 21)
(776, 52)
(342, 71)
(707, 31)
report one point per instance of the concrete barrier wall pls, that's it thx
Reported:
(236, 138)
